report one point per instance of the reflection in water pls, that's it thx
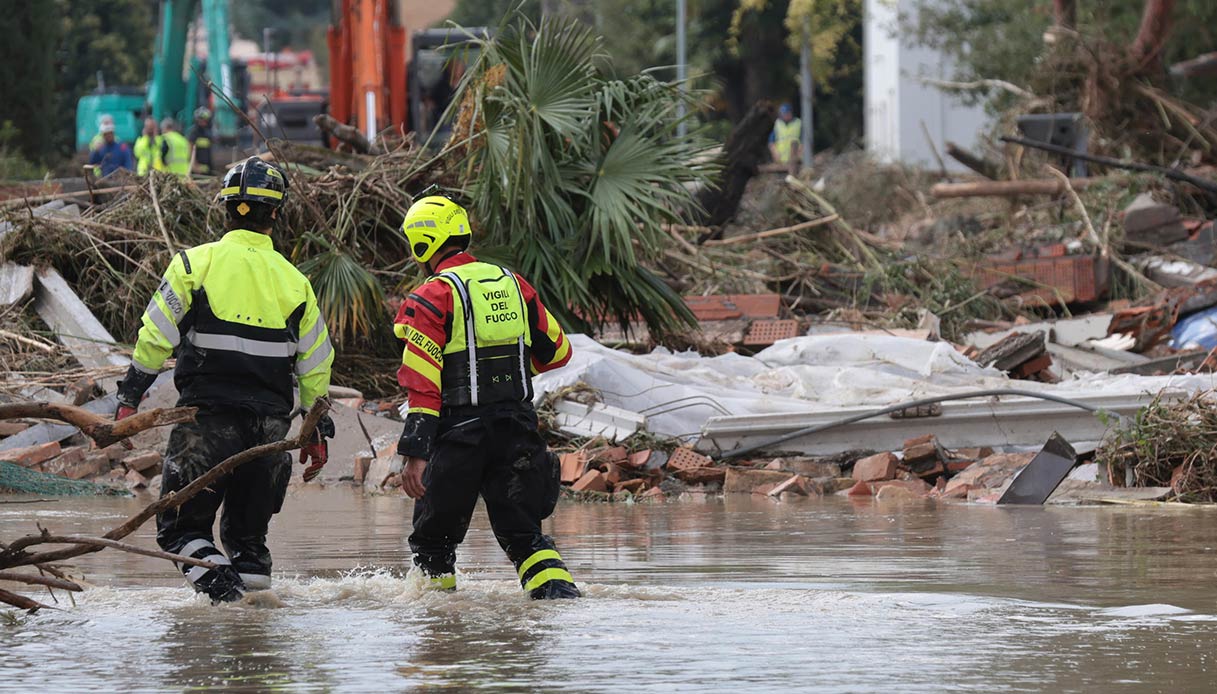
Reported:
(828, 595)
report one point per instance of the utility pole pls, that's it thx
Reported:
(682, 68)
(806, 87)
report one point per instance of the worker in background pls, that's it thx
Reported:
(244, 322)
(111, 155)
(200, 140)
(148, 149)
(785, 141)
(99, 139)
(474, 334)
(175, 149)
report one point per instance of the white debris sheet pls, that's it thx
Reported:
(822, 373)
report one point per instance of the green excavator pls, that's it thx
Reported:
(174, 90)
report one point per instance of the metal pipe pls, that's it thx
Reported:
(682, 68)
(806, 87)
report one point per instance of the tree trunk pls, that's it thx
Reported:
(1066, 13)
(747, 147)
(1146, 51)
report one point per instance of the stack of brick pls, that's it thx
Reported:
(131, 468)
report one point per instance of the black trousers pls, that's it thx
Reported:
(497, 452)
(250, 494)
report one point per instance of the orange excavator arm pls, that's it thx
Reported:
(367, 43)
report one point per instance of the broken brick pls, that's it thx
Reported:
(743, 481)
(860, 489)
(794, 484)
(875, 467)
(591, 481)
(685, 458)
(69, 458)
(573, 465)
(32, 455)
(613, 473)
(143, 462)
(615, 455)
(134, 480)
(774, 465)
(12, 428)
(956, 490)
(891, 492)
(638, 460)
(81, 391)
(702, 475)
(653, 494)
(1033, 367)
(93, 464)
(631, 486)
(919, 441)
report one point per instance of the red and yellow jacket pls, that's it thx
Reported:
(434, 346)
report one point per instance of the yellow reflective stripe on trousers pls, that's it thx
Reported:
(445, 582)
(540, 555)
(546, 576)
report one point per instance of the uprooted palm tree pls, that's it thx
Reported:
(573, 173)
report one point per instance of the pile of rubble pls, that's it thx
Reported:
(74, 458)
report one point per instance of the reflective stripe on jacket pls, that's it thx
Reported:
(244, 322)
(147, 154)
(175, 153)
(436, 362)
(786, 134)
(486, 358)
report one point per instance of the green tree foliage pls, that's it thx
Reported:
(739, 52)
(1003, 39)
(110, 37)
(572, 167)
(27, 67)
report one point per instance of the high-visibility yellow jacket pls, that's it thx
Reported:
(786, 134)
(175, 153)
(147, 152)
(244, 321)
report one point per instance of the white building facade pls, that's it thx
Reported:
(900, 107)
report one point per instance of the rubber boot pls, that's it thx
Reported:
(555, 590)
(222, 584)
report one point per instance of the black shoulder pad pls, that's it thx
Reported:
(185, 261)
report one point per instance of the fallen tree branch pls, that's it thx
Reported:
(10, 558)
(747, 238)
(36, 580)
(1009, 189)
(101, 542)
(21, 602)
(1081, 207)
(43, 199)
(979, 84)
(156, 206)
(346, 133)
(1173, 174)
(978, 164)
(104, 432)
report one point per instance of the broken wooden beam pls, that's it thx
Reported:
(1007, 189)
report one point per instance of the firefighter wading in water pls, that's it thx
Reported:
(475, 334)
(244, 321)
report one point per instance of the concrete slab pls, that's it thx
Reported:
(963, 424)
(16, 283)
(75, 326)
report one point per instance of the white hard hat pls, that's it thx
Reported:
(107, 126)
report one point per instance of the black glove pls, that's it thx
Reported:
(133, 386)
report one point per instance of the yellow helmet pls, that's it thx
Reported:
(431, 222)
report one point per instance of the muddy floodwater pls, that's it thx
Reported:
(737, 595)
